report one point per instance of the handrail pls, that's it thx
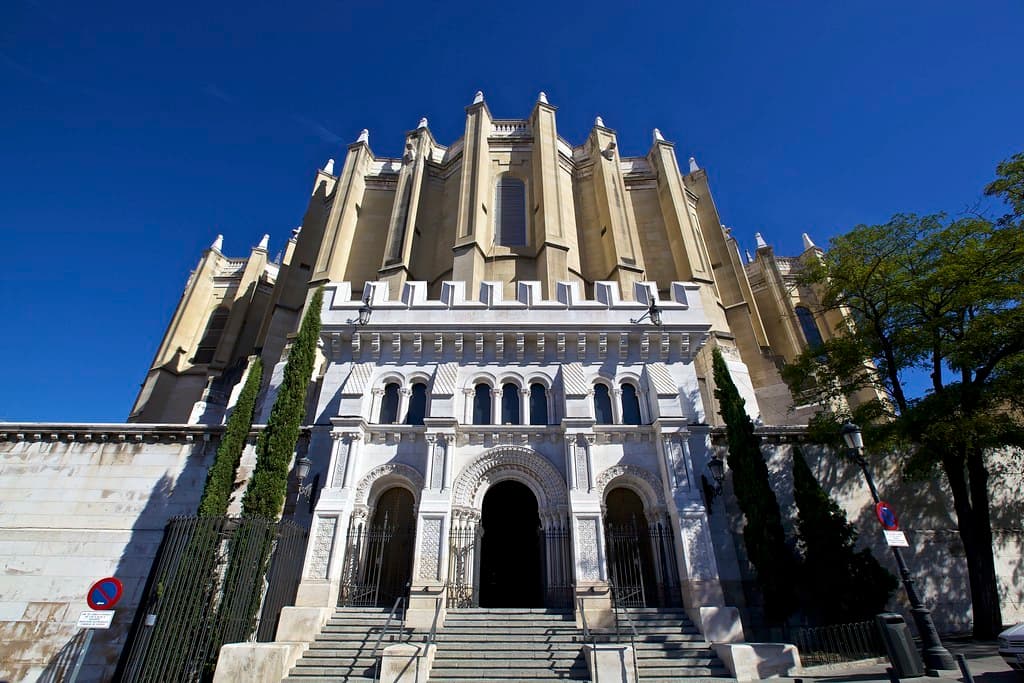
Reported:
(632, 629)
(587, 633)
(432, 636)
(387, 624)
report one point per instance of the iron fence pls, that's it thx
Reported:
(378, 564)
(642, 563)
(837, 643)
(207, 588)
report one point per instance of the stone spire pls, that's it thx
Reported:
(264, 243)
(329, 167)
(658, 137)
(542, 97)
(479, 97)
(750, 259)
(808, 244)
(364, 137)
(218, 243)
(422, 123)
(760, 240)
(693, 165)
(598, 121)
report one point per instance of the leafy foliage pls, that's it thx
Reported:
(928, 294)
(763, 535)
(265, 495)
(221, 477)
(841, 584)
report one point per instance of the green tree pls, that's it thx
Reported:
(763, 535)
(265, 494)
(841, 584)
(221, 477)
(943, 297)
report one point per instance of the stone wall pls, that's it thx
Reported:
(82, 502)
(925, 509)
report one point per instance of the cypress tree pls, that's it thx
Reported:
(265, 494)
(763, 536)
(842, 584)
(221, 476)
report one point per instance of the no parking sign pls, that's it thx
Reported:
(105, 593)
(887, 516)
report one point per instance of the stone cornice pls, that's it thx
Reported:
(104, 432)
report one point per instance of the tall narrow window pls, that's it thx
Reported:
(482, 405)
(510, 404)
(510, 212)
(417, 404)
(538, 405)
(807, 324)
(602, 405)
(389, 405)
(211, 336)
(630, 405)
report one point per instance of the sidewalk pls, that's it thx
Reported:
(983, 661)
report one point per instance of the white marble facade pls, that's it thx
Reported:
(565, 350)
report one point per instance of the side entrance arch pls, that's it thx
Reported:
(509, 546)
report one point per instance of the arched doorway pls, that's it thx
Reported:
(630, 556)
(380, 554)
(511, 573)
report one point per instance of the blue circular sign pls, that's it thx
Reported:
(105, 593)
(887, 516)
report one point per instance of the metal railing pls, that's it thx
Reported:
(837, 643)
(399, 601)
(632, 631)
(588, 635)
(207, 588)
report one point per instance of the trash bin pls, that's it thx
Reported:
(903, 654)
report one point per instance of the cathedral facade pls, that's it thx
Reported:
(513, 403)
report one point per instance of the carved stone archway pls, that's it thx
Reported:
(510, 462)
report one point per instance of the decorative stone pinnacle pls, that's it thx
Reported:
(295, 233)
(658, 137)
(760, 240)
(218, 243)
(264, 243)
(364, 136)
(808, 244)
(329, 167)
(422, 123)
(693, 165)
(542, 97)
(750, 259)
(598, 121)
(479, 97)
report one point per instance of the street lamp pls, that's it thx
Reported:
(717, 468)
(936, 657)
(301, 472)
(653, 312)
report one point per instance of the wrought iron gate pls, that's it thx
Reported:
(642, 564)
(557, 560)
(378, 565)
(463, 543)
(206, 589)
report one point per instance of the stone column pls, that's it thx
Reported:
(524, 406)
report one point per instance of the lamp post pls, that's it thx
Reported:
(653, 313)
(936, 657)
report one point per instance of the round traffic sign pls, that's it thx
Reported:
(887, 516)
(105, 593)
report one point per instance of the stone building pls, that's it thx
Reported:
(513, 404)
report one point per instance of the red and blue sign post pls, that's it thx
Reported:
(886, 516)
(105, 593)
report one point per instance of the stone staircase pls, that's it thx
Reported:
(508, 645)
(669, 647)
(342, 651)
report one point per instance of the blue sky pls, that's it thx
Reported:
(131, 134)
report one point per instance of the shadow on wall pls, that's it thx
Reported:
(168, 497)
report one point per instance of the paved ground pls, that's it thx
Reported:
(983, 662)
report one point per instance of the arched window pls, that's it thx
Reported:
(630, 405)
(510, 405)
(602, 405)
(389, 404)
(810, 328)
(211, 336)
(538, 404)
(510, 212)
(482, 405)
(417, 404)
